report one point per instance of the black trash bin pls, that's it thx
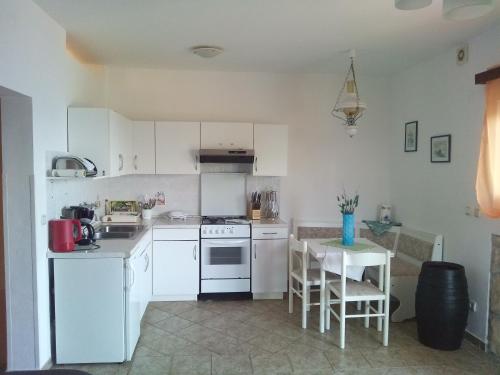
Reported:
(442, 305)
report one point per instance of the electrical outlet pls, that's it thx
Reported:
(472, 306)
(469, 211)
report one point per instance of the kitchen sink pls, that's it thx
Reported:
(118, 232)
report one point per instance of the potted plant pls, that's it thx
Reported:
(347, 206)
(147, 208)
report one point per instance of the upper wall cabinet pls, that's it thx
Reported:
(271, 150)
(177, 145)
(226, 135)
(143, 144)
(103, 136)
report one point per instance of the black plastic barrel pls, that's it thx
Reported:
(442, 305)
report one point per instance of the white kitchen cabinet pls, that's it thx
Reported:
(177, 146)
(103, 136)
(269, 264)
(143, 144)
(176, 265)
(271, 150)
(226, 135)
(120, 144)
(89, 305)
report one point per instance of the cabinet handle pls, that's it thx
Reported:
(132, 276)
(270, 233)
(196, 162)
(256, 169)
(120, 159)
(147, 263)
(135, 161)
(194, 252)
(255, 251)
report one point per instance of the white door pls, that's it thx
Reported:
(143, 139)
(176, 269)
(227, 135)
(269, 266)
(89, 302)
(177, 147)
(271, 150)
(134, 301)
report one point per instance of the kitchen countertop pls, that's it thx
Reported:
(119, 248)
(278, 223)
(126, 248)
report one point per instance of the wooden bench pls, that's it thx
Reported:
(412, 249)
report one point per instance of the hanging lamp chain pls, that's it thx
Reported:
(349, 121)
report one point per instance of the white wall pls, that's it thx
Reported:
(443, 98)
(321, 156)
(35, 63)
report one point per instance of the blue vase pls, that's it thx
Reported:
(348, 229)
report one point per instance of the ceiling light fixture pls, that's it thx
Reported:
(459, 10)
(412, 4)
(348, 107)
(207, 52)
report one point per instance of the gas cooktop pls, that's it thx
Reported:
(224, 220)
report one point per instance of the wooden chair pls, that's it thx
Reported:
(298, 271)
(364, 291)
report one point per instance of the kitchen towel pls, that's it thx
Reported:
(379, 228)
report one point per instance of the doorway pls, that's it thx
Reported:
(18, 314)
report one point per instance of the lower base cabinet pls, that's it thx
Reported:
(269, 264)
(176, 267)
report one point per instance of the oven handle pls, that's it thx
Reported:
(224, 242)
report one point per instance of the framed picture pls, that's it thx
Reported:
(441, 149)
(411, 136)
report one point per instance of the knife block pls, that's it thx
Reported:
(253, 214)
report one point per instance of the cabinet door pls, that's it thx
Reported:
(176, 269)
(177, 146)
(271, 150)
(88, 136)
(269, 266)
(143, 140)
(226, 135)
(117, 139)
(147, 284)
(134, 303)
(126, 146)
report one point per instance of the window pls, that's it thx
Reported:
(488, 171)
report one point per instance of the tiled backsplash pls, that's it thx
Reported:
(182, 192)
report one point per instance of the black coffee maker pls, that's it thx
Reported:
(85, 215)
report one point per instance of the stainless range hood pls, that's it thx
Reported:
(226, 156)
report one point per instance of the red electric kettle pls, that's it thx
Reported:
(64, 234)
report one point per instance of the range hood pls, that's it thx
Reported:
(226, 156)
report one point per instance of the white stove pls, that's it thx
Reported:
(225, 227)
(225, 255)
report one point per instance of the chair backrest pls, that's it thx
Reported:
(381, 259)
(319, 232)
(297, 252)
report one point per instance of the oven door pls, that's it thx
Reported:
(225, 258)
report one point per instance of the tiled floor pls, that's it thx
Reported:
(260, 337)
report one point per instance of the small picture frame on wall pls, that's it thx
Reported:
(441, 149)
(411, 136)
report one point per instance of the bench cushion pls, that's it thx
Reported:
(318, 232)
(415, 247)
(386, 240)
(400, 267)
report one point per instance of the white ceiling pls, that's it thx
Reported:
(259, 35)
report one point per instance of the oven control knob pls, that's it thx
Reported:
(204, 231)
(231, 230)
(222, 231)
(216, 231)
(210, 231)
